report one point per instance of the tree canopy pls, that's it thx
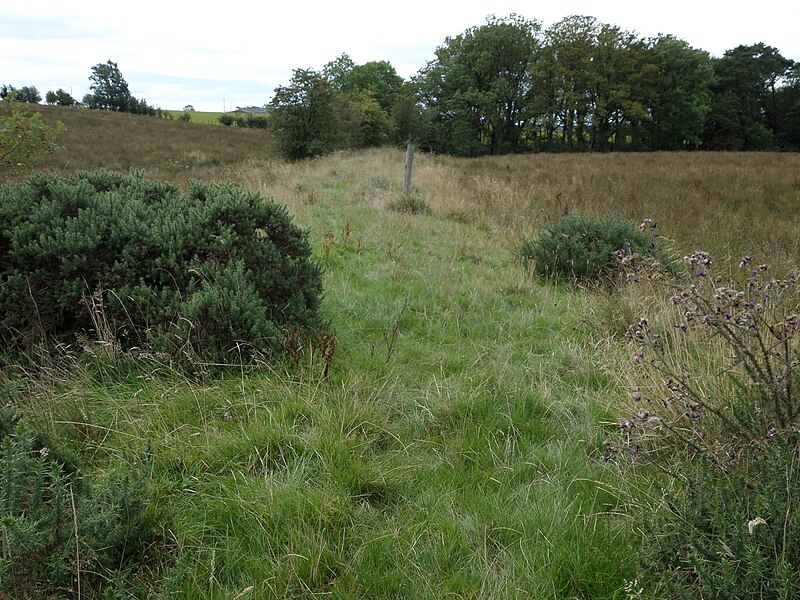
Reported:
(60, 98)
(580, 85)
(109, 91)
(27, 93)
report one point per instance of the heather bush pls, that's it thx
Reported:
(116, 261)
(579, 247)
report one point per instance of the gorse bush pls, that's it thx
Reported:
(579, 247)
(119, 261)
(63, 533)
(727, 534)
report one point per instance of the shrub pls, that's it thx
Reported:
(579, 247)
(719, 414)
(24, 136)
(727, 533)
(117, 260)
(44, 506)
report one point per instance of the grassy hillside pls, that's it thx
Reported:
(457, 449)
(167, 149)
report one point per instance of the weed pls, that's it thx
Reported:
(411, 204)
(729, 362)
(721, 418)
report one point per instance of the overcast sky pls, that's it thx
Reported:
(221, 55)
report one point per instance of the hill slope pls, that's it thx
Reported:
(165, 148)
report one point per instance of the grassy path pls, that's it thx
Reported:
(455, 451)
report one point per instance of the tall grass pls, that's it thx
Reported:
(166, 149)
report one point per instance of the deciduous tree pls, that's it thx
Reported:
(745, 109)
(681, 94)
(477, 89)
(60, 98)
(304, 116)
(109, 89)
(27, 93)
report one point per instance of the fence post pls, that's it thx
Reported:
(409, 164)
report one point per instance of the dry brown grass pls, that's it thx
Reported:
(727, 203)
(166, 149)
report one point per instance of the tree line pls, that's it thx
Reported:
(580, 85)
(510, 85)
(108, 91)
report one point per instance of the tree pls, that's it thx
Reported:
(681, 95)
(60, 98)
(363, 85)
(565, 78)
(109, 89)
(363, 121)
(406, 115)
(618, 60)
(745, 103)
(477, 89)
(338, 72)
(304, 116)
(23, 136)
(380, 79)
(28, 94)
(787, 100)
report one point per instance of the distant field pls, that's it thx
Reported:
(211, 118)
(168, 149)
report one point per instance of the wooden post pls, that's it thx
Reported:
(409, 164)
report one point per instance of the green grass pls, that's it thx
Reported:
(454, 452)
(210, 118)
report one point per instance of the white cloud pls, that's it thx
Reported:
(241, 51)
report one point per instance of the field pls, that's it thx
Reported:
(208, 118)
(457, 449)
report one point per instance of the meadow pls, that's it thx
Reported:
(204, 117)
(458, 448)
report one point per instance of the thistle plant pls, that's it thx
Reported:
(717, 410)
(726, 366)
